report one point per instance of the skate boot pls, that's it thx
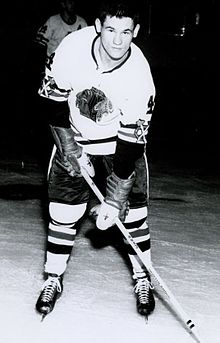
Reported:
(145, 298)
(51, 291)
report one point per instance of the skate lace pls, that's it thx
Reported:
(50, 286)
(142, 288)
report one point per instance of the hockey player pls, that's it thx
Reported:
(102, 96)
(58, 26)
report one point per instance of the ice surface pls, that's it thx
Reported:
(98, 304)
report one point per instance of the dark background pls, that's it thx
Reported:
(179, 38)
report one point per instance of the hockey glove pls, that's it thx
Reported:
(70, 155)
(115, 204)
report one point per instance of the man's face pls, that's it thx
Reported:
(116, 35)
(68, 5)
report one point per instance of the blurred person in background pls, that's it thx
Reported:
(58, 26)
(45, 42)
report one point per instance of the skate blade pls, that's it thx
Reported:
(42, 317)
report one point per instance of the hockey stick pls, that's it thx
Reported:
(177, 307)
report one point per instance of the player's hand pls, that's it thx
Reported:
(106, 216)
(70, 155)
(73, 165)
(116, 204)
(85, 163)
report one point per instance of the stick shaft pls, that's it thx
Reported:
(177, 307)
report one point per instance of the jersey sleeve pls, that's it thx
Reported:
(56, 84)
(43, 34)
(56, 88)
(137, 109)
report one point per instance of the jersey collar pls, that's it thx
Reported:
(96, 62)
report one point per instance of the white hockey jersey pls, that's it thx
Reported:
(55, 29)
(104, 104)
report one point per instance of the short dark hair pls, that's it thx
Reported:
(119, 9)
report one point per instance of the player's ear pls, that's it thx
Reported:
(136, 29)
(98, 25)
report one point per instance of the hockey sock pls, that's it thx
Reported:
(61, 235)
(137, 226)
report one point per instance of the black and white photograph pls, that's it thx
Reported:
(110, 171)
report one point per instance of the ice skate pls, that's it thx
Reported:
(145, 298)
(51, 291)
